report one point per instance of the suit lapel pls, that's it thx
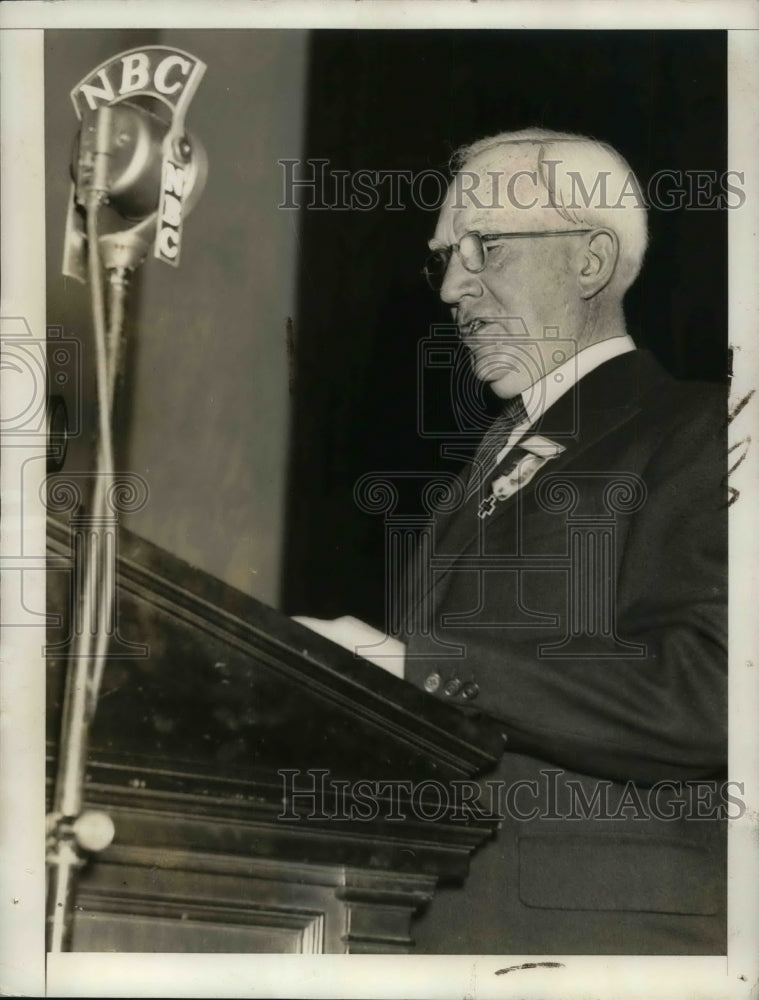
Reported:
(607, 398)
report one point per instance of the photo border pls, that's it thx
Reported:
(22, 960)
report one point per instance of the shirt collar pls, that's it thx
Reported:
(542, 394)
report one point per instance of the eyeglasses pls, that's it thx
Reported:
(472, 249)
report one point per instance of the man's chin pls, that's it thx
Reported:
(507, 386)
(504, 381)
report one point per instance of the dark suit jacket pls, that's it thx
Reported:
(588, 614)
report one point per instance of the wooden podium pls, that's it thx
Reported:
(227, 747)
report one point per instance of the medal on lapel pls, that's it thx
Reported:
(538, 450)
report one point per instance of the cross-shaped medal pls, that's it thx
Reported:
(487, 506)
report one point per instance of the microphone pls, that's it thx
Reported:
(133, 155)
(125, 141)
(139, 181)
(119, 159)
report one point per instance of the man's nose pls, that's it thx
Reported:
(458, 282)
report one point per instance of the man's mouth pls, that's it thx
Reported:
(494, 330)
(467, 330)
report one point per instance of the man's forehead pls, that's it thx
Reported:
(498, 190)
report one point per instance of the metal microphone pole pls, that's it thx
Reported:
(72, 832)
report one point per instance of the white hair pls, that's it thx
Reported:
(587, 182)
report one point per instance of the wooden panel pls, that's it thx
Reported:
(130, 932)
(173, 904)
(138, 899)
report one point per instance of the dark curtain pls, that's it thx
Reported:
(404, 100)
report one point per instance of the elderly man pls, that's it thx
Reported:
(579, 588)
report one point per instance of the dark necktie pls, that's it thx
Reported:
(513, 414)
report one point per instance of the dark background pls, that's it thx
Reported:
(405, 100)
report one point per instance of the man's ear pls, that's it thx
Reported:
(599, 261)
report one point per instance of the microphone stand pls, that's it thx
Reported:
(72, 833)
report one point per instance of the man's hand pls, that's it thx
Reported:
(356, 636)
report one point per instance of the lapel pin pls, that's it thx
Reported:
(539, 451)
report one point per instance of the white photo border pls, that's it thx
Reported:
(23, 969)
